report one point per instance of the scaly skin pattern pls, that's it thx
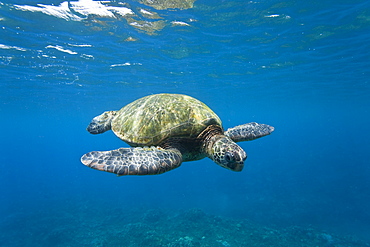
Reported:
(249, 131)
(226, 153)
(134, 161)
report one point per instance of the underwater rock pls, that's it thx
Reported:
(182, 242)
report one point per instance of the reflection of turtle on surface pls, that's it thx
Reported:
(169, 4)
(165, 130)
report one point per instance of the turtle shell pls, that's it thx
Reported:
(151, 119)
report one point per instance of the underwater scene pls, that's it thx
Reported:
(270, 149)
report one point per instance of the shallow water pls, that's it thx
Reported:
(302, 67)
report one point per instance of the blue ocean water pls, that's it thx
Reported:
(300, 66)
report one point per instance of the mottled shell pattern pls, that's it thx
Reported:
(151, 119)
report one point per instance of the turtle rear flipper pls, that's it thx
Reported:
(101, 123)
(134, 161)
(249, 131)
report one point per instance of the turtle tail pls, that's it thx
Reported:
(101, 123)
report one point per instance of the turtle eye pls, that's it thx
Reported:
(229, 157)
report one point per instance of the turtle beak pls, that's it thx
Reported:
(235, 160)
(237, 167)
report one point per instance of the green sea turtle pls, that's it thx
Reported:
(165, 130)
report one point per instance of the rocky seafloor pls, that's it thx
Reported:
(185, 228)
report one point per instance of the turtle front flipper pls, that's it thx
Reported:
(101, 123)
(134, 161)
(248, 132)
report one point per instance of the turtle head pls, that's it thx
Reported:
(101, 123)
(226, 153)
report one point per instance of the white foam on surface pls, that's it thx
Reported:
(12, 47)
(59, 48)
(81, 45)
(146, 12)
(60, 11)
(179, 23)
(272, 16)
(125, 64)
(77, 10)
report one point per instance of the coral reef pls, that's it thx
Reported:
(157, 228)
